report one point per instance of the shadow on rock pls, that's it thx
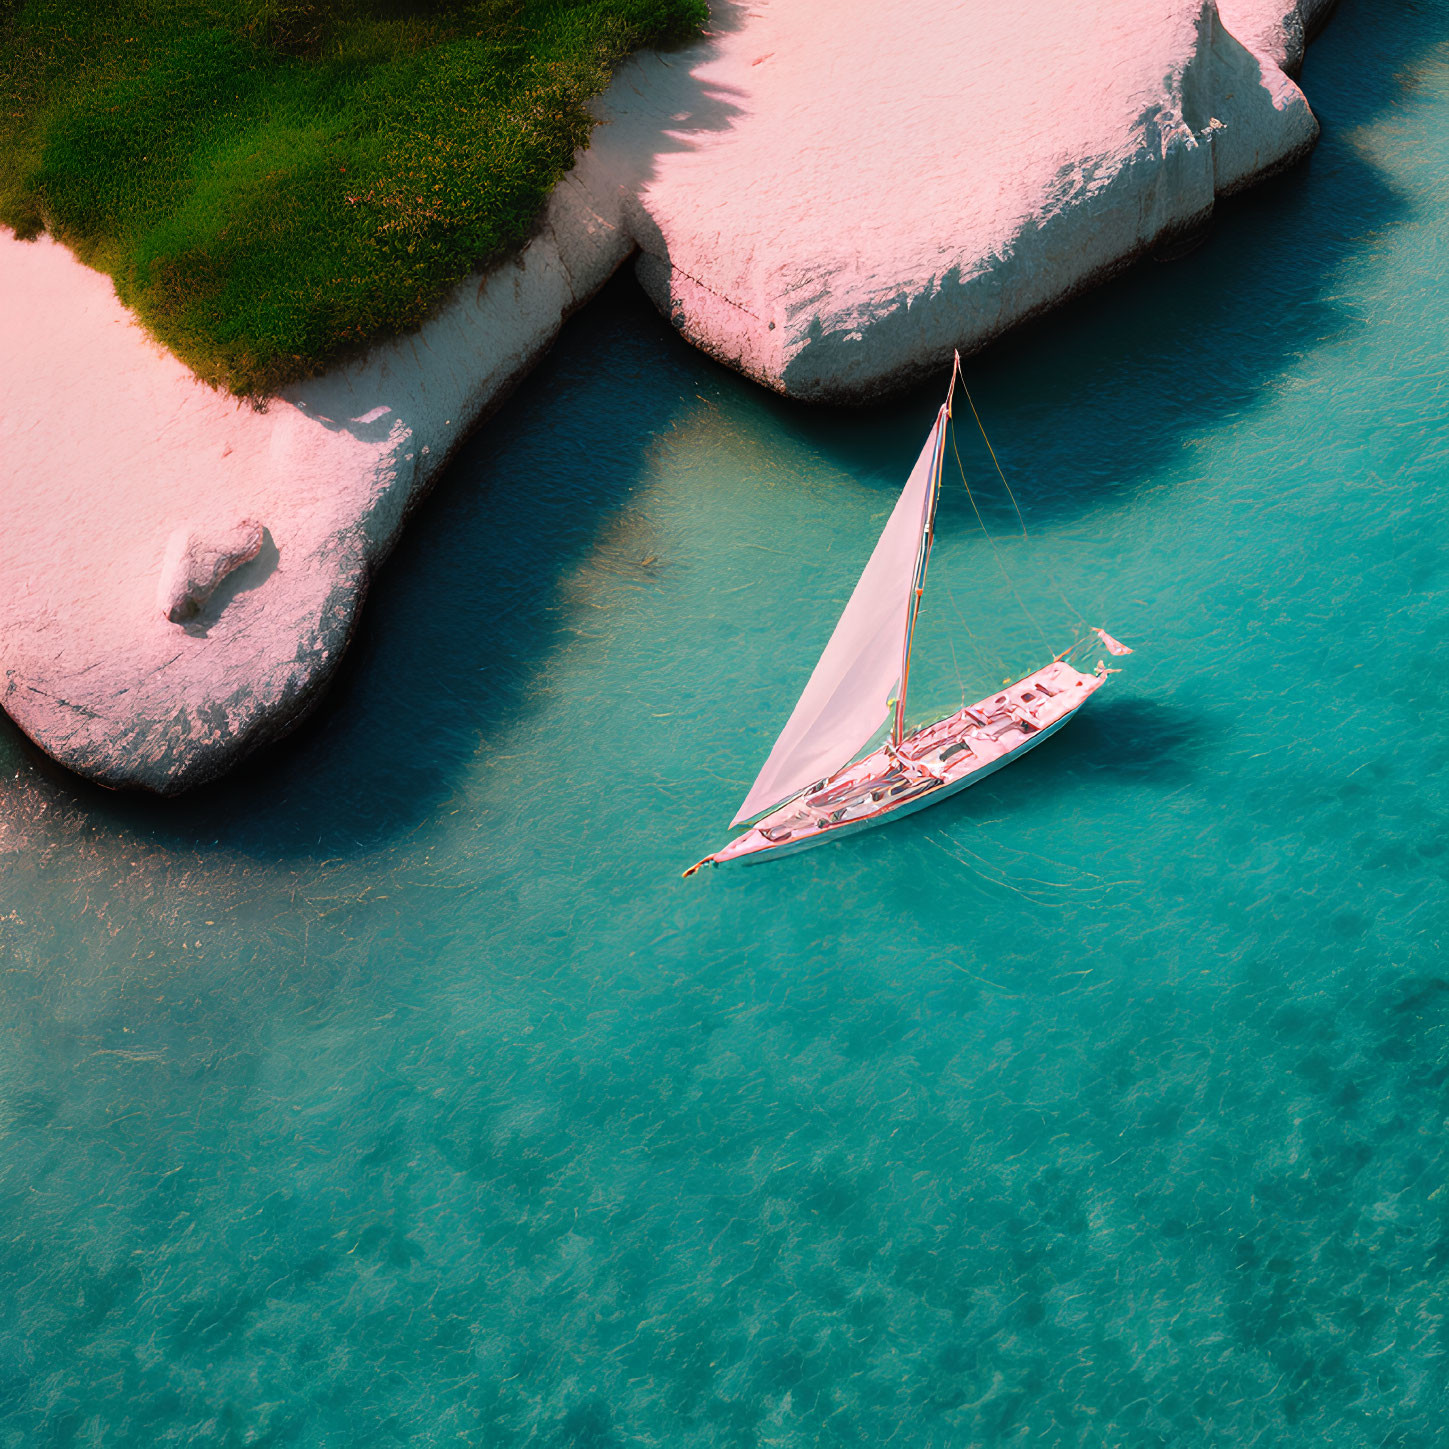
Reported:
(251, 575)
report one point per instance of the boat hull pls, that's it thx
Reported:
(1041, 703)
(906, 807)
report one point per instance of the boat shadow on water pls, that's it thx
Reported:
(1127, 739)
(1122, 743)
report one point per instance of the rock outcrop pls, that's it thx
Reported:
(859, 221)
(197, 560)
(827, 198)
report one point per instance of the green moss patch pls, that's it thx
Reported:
(273, 183)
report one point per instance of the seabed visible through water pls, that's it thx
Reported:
(399, 1091)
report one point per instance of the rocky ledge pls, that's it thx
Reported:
(826, 198)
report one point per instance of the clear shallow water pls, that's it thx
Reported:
(398, 1091)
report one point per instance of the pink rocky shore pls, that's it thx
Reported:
(827, 197)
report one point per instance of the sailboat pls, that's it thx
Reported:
(813, 788)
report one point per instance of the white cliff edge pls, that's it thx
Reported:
(862, 221)
(829, 204)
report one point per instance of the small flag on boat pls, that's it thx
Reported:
(1113, 647)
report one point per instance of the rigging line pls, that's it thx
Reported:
(981, 427)
(996, 552)
(923, 556)
(960, 683)
(985, 663)
(989, 669)
(992, 451)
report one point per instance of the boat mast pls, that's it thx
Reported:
(923, 554)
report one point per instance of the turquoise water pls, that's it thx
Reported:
(398, 1091)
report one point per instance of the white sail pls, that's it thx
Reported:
(849, 694)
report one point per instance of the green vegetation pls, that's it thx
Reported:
(272, 183)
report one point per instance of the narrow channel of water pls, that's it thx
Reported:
(399, 1091)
